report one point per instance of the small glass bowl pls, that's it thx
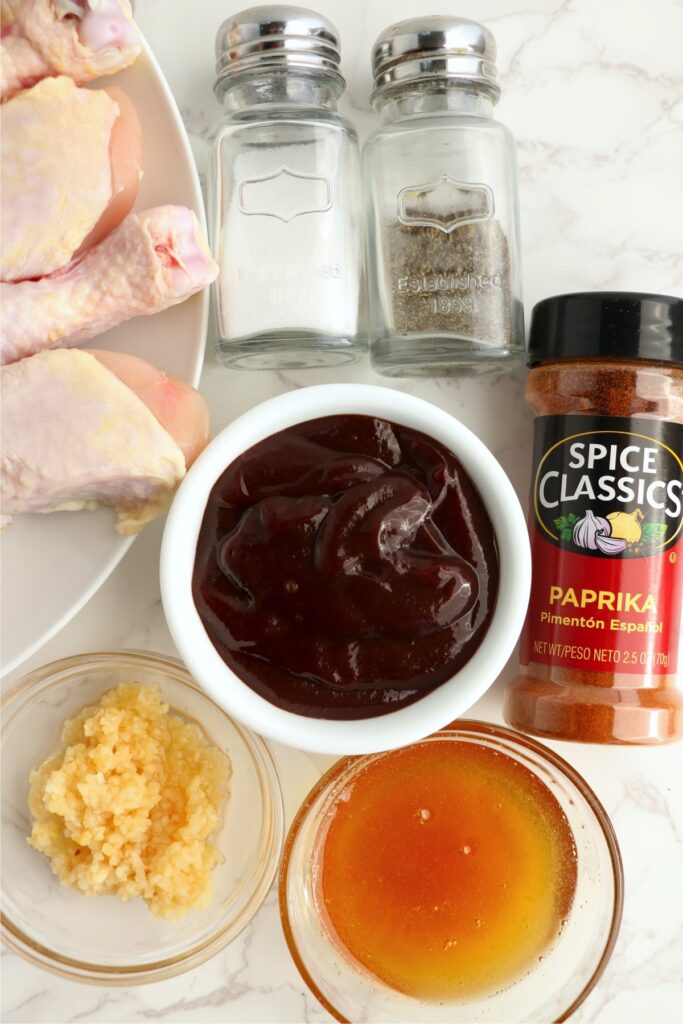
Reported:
(553, 987)
(101, 939)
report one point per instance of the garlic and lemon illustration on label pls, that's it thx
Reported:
(611, 534)
(594, 532)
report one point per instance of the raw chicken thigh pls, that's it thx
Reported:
(180, 409)
(84, 429)
(71, 165)
(82, 39)
(151, 261)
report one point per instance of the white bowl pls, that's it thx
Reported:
(412, 722)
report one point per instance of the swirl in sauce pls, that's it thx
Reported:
(345, 567)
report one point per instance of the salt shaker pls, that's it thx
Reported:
(284, 195)
(441, 184)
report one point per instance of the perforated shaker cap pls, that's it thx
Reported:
(437, 47)
(276, 36)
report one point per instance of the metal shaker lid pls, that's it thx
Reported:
(438, 47)
(276, 36)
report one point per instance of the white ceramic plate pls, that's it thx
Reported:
(52, 564)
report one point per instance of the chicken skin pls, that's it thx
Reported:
(82, 39)
(71, 166)
(87, 429)
(178, 407)
(150, 262)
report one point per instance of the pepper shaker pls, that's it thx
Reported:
(441, 184)
(284, 195)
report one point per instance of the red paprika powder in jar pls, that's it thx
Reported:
(600, 648)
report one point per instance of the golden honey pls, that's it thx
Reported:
(445, 869)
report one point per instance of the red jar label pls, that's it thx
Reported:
(607, 544)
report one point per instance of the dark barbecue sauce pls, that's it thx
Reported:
(345, 567)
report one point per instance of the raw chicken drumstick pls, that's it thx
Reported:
(71, 166)
(151, 261)
(84, 429)
(82, 39)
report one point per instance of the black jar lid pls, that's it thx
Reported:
(607, 325)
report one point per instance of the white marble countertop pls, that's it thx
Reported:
(594, 94)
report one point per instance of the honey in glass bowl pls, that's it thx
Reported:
(445, 870)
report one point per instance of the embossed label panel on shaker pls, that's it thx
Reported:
(445, 204)
(285, 194)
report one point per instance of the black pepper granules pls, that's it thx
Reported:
(456, 282)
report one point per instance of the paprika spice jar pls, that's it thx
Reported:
(600, 648)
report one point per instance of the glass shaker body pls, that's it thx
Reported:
(284, 198)
(443, 234)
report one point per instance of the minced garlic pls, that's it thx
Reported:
(129, 805)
